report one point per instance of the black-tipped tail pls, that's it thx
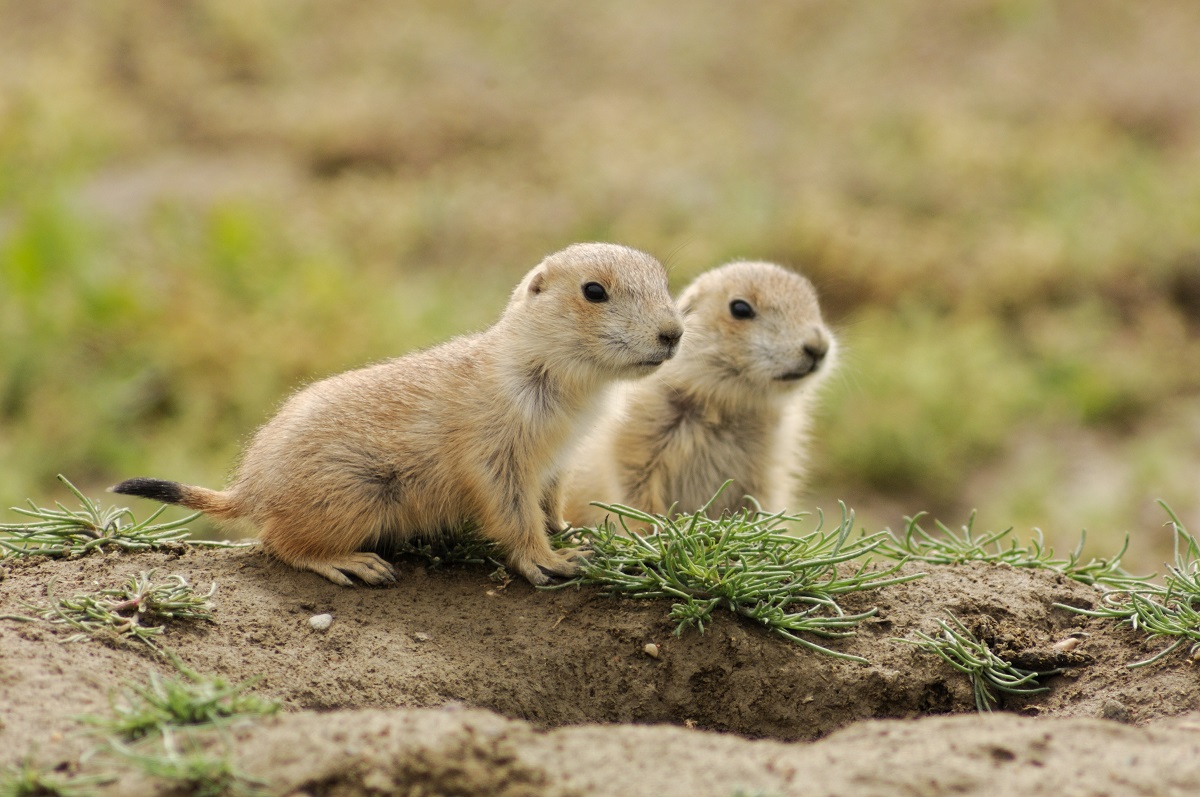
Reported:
(154, 489)
(215, 503)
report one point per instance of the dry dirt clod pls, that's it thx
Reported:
(1115, 710)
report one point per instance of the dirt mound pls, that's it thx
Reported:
(453, 640)
(471, 752)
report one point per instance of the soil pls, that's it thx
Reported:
(450, 682)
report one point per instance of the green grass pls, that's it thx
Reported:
(748, 564)
(69, 533)
(745, 563)
(27, 779)
(948, 547)
(1170, 609)
(170, 728)
(137, 610)
(175, 729)
(190, 767)
(190, 700)
(988, 673)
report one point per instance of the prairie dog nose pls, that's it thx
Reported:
(817, 346)
(670, 334)
(816, 351)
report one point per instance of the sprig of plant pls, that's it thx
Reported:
(950, 547)
(149, 722)
(69, 533)
(1169, 610)
(190, 700)
(743, 563)
(959, 648)
(29, 780)
(195, 771)
(131, 610)
(464, 546)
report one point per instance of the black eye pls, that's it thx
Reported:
(740, 308)
(594, 292)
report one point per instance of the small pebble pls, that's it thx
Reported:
(1068, 644)
(321, 622)
(421, 636)
(651, 650)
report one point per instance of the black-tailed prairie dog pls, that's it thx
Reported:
(474, 430)
(735, 404)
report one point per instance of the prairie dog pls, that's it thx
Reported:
(734, 404)
(475, 429)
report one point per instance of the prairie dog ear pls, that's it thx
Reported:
(537, 283)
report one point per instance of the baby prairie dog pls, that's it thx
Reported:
(476, 429)
(735, 403)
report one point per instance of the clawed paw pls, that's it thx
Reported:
(367, 567)
(571, 554)
(537, 570)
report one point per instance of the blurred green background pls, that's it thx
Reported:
(205, 204)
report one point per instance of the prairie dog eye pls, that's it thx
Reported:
(740, 308)
(595, 293)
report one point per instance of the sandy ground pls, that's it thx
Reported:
(452, 683)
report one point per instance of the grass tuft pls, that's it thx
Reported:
(959, 648)
(161, 728)
(1171, 609)
(68, 533)
(194, 771)
(743, 563)
(190, 700)
(461, 547)
(137, 610)
(29, 780)
(948, 547)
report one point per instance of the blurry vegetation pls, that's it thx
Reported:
(205, 204)
(166, 704)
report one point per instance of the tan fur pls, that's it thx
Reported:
(473, 430)
(720, 410)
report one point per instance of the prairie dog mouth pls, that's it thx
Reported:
(799, 373)
(805, 367)
(659, 359)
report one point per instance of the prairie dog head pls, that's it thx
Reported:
(598, 308)
(753, 330)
